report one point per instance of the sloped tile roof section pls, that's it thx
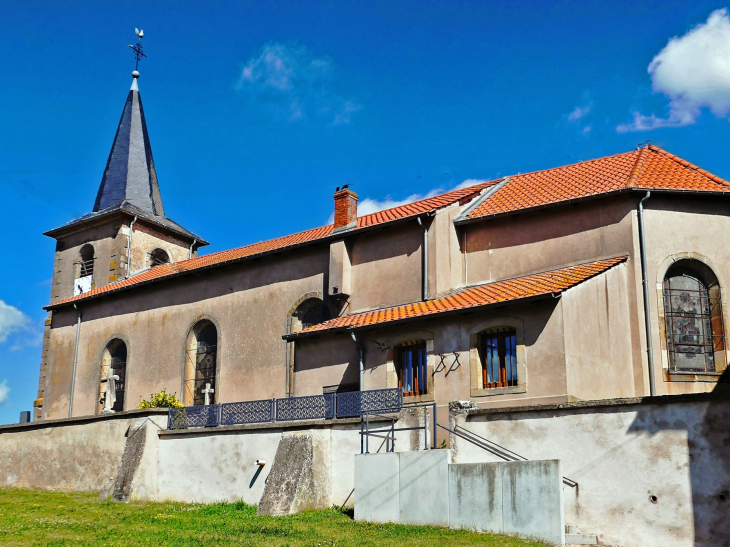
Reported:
(542, 284)
(162, 272)
(648, 168)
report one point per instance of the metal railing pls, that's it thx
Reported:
(365, 432)
(314, 407)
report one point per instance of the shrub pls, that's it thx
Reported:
(161, 399)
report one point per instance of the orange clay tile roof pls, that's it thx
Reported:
(553, 282)
(177, 268)
(647, 168)
(650, 167)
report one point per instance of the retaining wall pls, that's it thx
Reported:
(652, 471)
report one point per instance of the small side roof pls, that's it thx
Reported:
(552, 282)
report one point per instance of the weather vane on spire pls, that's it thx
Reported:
(137, 48)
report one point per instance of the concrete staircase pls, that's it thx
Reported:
(573, 537)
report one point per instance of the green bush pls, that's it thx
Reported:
(161, 399)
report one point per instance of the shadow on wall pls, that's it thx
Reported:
(708, 443)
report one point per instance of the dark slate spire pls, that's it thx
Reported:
(130, 171)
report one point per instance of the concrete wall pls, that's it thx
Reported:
(197, 465)
(422, 488)
(650, 472)
(70, 455)
(516, 498)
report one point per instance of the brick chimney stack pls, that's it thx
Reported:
(345, 209)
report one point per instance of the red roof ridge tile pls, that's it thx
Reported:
(689, 165)
(636, 170)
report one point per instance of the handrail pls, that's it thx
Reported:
(504, 453)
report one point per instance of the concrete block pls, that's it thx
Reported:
(475, 496)
(581, 539)
(424, 487)
(532, 500)
(376, 487)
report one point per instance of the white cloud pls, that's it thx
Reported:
(579, 112)
(693, 71)
(11, 320)
(295, 85)
(4, 391)
(368, 206)
(586, 130)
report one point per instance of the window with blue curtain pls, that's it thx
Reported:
(412, 369)
(499, 358)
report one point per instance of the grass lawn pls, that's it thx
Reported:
(32, 517)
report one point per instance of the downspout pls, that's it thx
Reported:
(191, 247)
(360, 351)
(466, 260)
(645, 286)
(424, 266)
(129, 245)
(73, 372)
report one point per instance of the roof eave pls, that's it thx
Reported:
(324, 239)
(307, 334)
(78, 224)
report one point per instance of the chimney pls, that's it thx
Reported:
(345, 209)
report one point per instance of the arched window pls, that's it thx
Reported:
(200, 363)
(310, 312)
(84, 270)
(693, 319)
(113, 363)
(159, 256)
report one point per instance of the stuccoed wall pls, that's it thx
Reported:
(80, 455)
(650, 472)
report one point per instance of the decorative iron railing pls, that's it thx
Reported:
(314, 407)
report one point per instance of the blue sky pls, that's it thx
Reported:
(257, 110)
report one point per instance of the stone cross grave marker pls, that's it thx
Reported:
(207, 391)
(110, 389)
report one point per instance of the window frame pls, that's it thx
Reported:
(477, 335)
(711, 279)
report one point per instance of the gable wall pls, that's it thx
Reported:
(677, 228)
(554, 238)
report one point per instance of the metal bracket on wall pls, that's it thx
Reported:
(442, 365)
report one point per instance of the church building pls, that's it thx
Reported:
(597, 280)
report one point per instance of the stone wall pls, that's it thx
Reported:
(650, 472)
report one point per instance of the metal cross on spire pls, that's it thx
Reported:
(137, 48)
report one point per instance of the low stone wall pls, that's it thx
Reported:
(75, 454)
(131, 456)
(651, 471)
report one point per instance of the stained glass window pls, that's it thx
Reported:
(693, 321)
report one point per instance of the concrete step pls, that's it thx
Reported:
(580, 539)
(574, 537)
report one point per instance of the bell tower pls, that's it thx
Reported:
(127, 231)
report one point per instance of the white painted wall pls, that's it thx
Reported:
(622, 455)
